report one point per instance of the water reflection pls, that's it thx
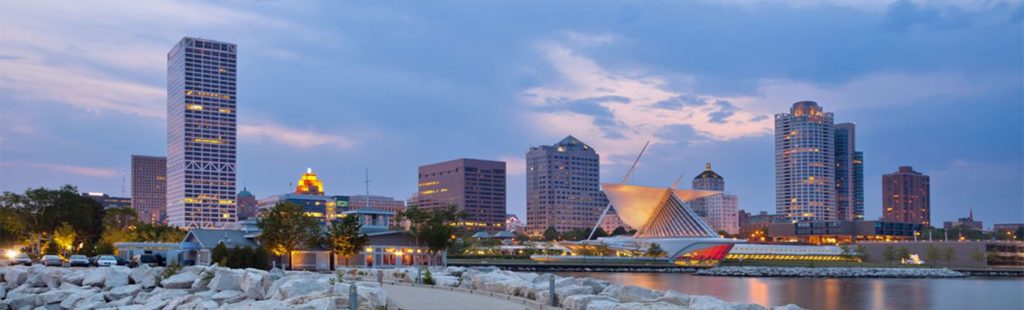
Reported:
(968, 293)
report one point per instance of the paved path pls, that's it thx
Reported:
(422, 298)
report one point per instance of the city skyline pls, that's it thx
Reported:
(591, 77)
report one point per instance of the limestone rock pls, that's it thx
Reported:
(181, 280)
(74, 277)
(96, 276)
(118, 276)
(298, 286)
(120, 292)
(225, 280)
(228, 296)
(580, 302)
(630, 293)
(255, 283)
(15, 275)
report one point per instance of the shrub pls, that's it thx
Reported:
(171, 270)
(428, 279)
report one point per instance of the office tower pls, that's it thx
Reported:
(201, 130)
(247, 204)
(563, 187)
(309, 184)
(906, 197)
(109, 202)
(721, 211)
(805, 164)
(149, 187)
(472, 185)
(357, 202)
(308, 194)
(849, 174)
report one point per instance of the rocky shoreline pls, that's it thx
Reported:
(830, 272)
(213, 287)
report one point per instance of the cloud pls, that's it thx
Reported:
(293, 137)
(514, 165)
(617, 112)
(72, 169)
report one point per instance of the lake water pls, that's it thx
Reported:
(827, 294)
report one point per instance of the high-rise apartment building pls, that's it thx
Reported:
(563, 188)
(906, 197)
(247, 204)
(109, 202)
(805, 177)
(721, 212)
(474, 186)
(149, 187)
(201, 131)
(849, 174)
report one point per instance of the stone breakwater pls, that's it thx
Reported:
(831, 272)
(193, 287)
(570, 293)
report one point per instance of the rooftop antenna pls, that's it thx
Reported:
(367, 188)
(624, 179)
(122, 184)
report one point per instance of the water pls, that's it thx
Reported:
(828, 294)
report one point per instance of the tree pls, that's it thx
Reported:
(550, 233)
(977, 257)
(619, 231)
(119, 218)
(440, 231)
(902, 253)
(235, 258)
(991, 256)
(42, 210)
(862, 252)
(51, 248)
(344, 239)
(654, 250)
(285, 227)
(889, 254)
(932, 254)
(847, 254)
(219, 254)
(64, 237)
(599, 233)
(947, 255)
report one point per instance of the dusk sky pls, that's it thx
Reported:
(343, 87)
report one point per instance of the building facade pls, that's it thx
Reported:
(843, 232)
(474, 186)
(965, 222)
(149, 187)
(201, 134)
(611, 221)
(247, 204)
(109, 202)
(805, 163)
(719, 211)
(360, 202)
(563, 187)
(849, 174)
(906, 197)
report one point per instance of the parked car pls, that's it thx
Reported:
(23, 259)
(144, 259)
(121, 261)
(78, 261)
(52, 260)
(106, 261)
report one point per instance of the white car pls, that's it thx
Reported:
(106, 261)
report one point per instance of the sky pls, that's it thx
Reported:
(345, 86)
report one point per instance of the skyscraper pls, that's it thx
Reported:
(721, 212)
(149, 187)
(201, 131)
(805, 164)
(474, 186)
(247, 204)
(849, 174)
(563, 187)
(906, 197)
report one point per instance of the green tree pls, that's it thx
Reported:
(235, 258)
(599, 233)
(439, 232)
(285, 227)
(64, 236)
(42, 210)
(932, 255)
(862, 252)
(119, 218)
(846, 254)
(619, 231)
(344, 239)
(889, 254)
(51, 248)
(977, 256)
(550, 233)
(947, 255)
(219, 254)
(417, 221)
(654, 250)
(991, 256)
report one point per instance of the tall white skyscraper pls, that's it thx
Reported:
(563, 188)
(805, 169)
(201, 130)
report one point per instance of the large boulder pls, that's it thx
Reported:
(225, 280)
(3, 291)
(21, 302)
(146, 276)
(580, 302)
(118, 276)
(24, 290)
(55, 296)
(561, 293)
(36, 274)
(96, 276)
(649, 306)
(120, 292)
(228, 297)
(85, 299)
(15, 275)
(138, 273)
(297, 286)
(255, 283)
(74, 277)
(630, 293)
(262, 305)
(181, 280)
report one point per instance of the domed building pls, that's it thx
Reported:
(719, 211)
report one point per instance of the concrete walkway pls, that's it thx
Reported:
(421, 298)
